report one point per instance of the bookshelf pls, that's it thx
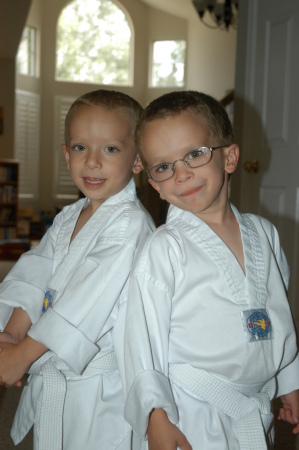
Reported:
(9, 178)
(11, 247)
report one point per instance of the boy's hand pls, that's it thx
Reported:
(290, 409)
(15, 359)
(7, 337)
(164, 435)
(12, 367)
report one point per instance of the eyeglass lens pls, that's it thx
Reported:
(195, 158)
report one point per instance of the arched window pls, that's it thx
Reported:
(94, 43)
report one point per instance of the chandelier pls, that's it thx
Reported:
(220, 14)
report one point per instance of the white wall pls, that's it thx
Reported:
(12, 19)
(211, 59)
(7, 76)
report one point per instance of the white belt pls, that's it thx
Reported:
(248, 405)
(54, 372)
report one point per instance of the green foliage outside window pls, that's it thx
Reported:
(93, 43)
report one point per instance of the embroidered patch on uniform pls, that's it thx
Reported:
(48, 300)
(257, 325)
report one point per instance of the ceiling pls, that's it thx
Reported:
(181, 8)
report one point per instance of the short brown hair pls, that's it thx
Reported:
(111, 100)
(175, 103)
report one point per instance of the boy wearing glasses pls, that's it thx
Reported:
(216, 340)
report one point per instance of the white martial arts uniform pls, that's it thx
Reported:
(75, 389)
(196, 356)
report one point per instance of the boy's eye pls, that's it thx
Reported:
(162, 167)
(195, 154)
(79, 148)
(111, 149)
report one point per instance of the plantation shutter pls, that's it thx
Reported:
(27, 142)
(64, 187)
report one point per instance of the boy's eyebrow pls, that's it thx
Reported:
(182, 152)
(74, 138)
(170, 156)
(109, 141)
(161, 160)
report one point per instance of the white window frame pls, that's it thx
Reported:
(31, 52)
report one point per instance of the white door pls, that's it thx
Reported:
(267, 121)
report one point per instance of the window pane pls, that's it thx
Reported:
(26, 52)
(93, 43)
(168, 68)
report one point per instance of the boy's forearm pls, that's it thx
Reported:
(31, 350)
(18, 325)
(15, 359)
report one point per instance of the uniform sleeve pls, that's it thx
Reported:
(288, 377)
(280, 257)
(88, 306)
(26, 283)
(146, 338)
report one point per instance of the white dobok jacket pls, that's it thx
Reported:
(206, 342)
(74, 393)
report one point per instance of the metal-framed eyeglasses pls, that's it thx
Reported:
(196, 158)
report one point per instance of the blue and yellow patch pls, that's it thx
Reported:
(48, 300)
(259, 324)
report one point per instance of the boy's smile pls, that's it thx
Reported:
(100, 153)
(191, 192)
(93, 183)
(199, 190)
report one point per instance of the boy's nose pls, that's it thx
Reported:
(92, 160)
(181, 171)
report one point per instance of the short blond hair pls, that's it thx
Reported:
(109, 99)
(196, 103)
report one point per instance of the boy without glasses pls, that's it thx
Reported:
(70, 291)
(216, 340)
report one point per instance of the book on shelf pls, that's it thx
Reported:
(8, 194)
(8, 173)
(7, 233)
(7, 214)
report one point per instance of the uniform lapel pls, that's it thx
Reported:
(245, 290)
(68, 256)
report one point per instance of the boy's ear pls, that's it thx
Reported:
(66, 155)
(231, 158)
(138, 166)
(157, 187)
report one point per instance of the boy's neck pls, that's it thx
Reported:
(220, 215)
(83, 218)
(224, 223)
